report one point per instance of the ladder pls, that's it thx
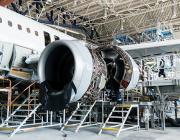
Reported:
(79, 117)
(17, 120)
(117, 119)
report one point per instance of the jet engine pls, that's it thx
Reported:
(73, 70)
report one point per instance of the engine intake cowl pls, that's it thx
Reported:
(65, 71)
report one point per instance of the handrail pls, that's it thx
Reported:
(23, 92)
(6, 80)
(17, 84)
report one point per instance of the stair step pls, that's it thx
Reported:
(15, 122)
(113, 123)
(7, 128)
(85, 105)
(79, 115)
(71, 125)
(32, 99)
(116, 117)
(110, 129)
(124, 105)
(24, 104)
(74, 120)
(120, 111)
(82, 110)
(20, 116)
(24, 110)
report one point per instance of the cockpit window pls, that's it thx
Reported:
(47, 38)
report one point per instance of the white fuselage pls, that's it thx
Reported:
(13, 34)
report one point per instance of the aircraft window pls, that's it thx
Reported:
(36, 33)
(47, 38)
(19, 27)
(28, 30)
(10, 23)
(56, 38)
(0, 20)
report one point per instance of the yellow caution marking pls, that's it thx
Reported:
(124, 105)
(110, 129)
(6, 128)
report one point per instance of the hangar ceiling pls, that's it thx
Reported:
(102, 19)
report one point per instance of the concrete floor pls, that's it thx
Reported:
(91, 134)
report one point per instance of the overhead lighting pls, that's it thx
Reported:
(157, 2)
(160, 1)
(75, 2)
(174, 12)
(158, 24)
(116, 14)
(84, 23)
(105, 13)
(162, 9)
(122, 24)
(48, 1)
(174, 15)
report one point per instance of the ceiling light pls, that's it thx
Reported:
(105, 13)
(162, 10)
(122, 26)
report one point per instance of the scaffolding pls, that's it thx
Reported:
(117, 119)
(124, 39)
(27, 114)
(87, 114)
(156, 34)
(171, 68)
(82, 116)
(79, 117)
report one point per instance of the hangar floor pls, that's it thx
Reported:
(91, 134)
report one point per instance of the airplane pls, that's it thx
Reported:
(66, 68)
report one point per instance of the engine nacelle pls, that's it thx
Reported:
(126, 70)
(67, 70)
(73, 70)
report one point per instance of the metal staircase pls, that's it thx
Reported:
(117, 119)
(26, 114)
(18, 119)
(79, 116)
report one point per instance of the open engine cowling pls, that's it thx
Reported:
(73, 70)
(66, 71)
(126, 70)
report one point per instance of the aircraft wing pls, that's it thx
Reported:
(149, 49)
